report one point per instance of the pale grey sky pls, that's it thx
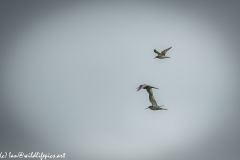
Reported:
(69, 72)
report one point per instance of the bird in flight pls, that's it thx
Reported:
(162, 54)
(151, 97)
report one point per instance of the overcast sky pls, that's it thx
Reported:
(69, 70)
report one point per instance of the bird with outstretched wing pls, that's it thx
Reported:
(162, 54)
(151, 97)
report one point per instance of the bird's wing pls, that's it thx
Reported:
(165, 51)
(148, 87)
(151, 97)
(141, 87)
(158, 53)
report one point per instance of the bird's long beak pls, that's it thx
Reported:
(146, 108)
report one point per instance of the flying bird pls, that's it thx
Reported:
(162, 54)
(151, 97)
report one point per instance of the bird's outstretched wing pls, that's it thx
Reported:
(165, 51)
(151, 97)
(145, 86)
(141, 87)
(158, 53)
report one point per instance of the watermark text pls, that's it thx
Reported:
(39, 155)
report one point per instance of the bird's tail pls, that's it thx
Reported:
(162, 108)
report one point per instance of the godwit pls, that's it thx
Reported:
(151, 97)
(162, 54)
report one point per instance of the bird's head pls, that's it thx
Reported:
(154, 50)
(148, 107)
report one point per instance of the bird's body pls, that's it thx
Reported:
(162, 55)
(151, 97)
(156, 108)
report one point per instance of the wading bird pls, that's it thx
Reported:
(162, 54)
(151, 97)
